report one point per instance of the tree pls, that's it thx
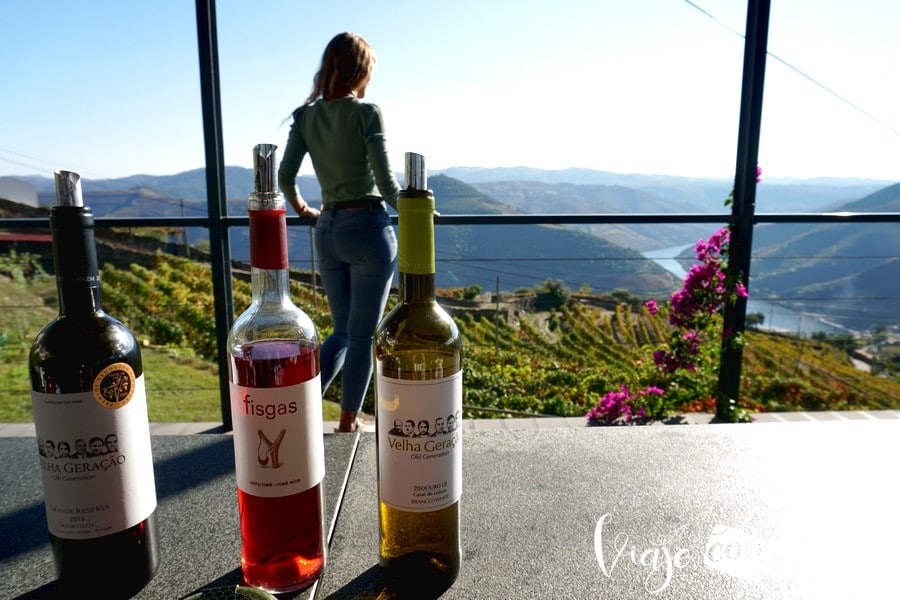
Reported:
(553, 293)
(755, 320)
(470, 292)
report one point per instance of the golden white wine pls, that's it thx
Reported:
(418, 391)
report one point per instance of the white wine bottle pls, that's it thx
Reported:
(276, 406)
(90, 418)
(418, 393)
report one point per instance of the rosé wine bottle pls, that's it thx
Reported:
(276, 407)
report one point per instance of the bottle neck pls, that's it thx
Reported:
(269, 275)
(269, 286)
(416, 288)
(415, 244)
(75, 260)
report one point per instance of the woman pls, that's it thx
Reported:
(354, 241)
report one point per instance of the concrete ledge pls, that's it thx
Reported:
(27, 429)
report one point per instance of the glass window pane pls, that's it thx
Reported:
(106, 88)
(648, 87)
(830, 141)
(831, 100)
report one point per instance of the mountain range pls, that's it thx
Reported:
(846, 273)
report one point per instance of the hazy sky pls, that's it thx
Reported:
(111, 88)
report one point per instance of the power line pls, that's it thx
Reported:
(97, 184)
(796, 70)
(40, 161)
(833, 93)
(717, 21)
(19, 163)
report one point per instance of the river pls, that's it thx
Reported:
(777, 316)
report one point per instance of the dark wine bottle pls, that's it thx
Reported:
(90, 417)
(276, 406)
(418, 391)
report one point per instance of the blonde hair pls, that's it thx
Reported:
(347, 64)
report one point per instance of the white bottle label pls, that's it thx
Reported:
(278, 445)
(420, 442)
(96, 461)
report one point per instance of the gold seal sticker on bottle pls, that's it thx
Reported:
(114, 386)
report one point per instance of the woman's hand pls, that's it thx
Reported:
(303, 209)
(309, 211)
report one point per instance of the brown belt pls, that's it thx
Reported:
(353, 204)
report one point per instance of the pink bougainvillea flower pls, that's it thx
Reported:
(705, 292)
(616, 407)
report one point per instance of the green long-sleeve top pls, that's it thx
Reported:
(345, 140)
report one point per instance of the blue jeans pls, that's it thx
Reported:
(357, 253)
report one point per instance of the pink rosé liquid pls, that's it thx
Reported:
(282, 539)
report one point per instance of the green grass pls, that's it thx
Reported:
(23, 313)
(186, 389)
(179, 388)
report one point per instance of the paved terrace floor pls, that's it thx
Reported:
(27, 429)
